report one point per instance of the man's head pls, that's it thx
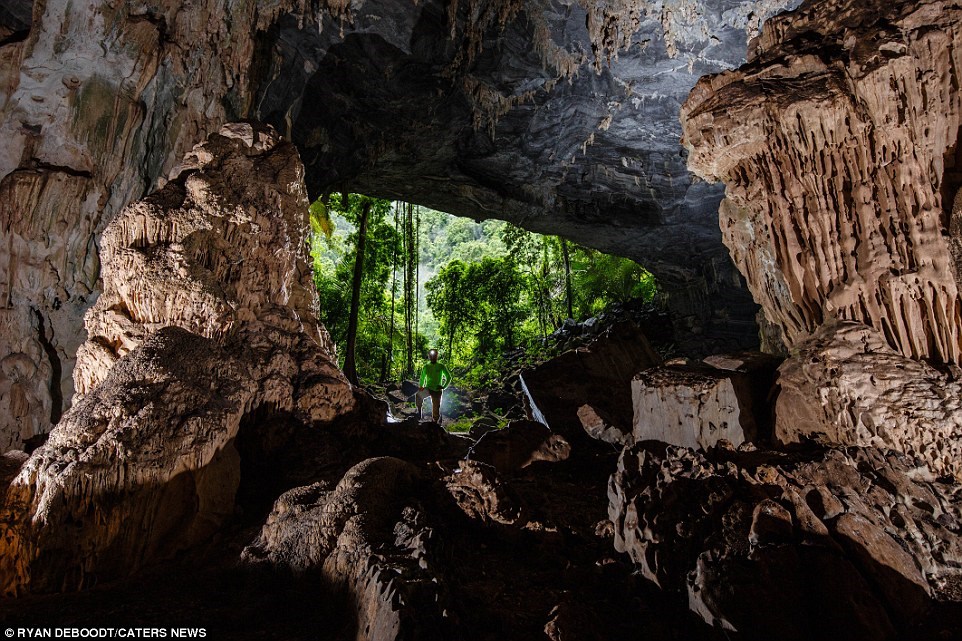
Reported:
(433, 355)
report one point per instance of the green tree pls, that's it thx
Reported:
(498, 285)
(451, 301)
(337, 259)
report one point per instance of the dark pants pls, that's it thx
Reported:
(435, 402)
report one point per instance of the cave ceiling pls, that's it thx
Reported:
(557, 120)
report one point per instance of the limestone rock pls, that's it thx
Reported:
(10, 464)
(698, 405)
(96, 106)
(207, 316)
(479, 492)
(854, 543)
(598, 375)
(519, 445)
(846, 386)
(151, 447)
(599, 426)
(368, 538)
(838, 144)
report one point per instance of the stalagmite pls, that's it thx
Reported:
(208, 313)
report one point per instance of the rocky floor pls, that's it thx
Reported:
(549, 572)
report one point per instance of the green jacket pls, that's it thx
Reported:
(432, 374)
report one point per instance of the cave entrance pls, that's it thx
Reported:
(487, 294)
(507, 118)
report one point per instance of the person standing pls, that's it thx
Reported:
(435, 377)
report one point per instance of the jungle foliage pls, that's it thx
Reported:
(473, 289)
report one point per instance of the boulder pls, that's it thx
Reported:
(698, 405)
(482, 426)
(481, 494)
(839, 543)
(519, 445)
(847, 386)
(369, 537)
(598, 374)
(598, 426)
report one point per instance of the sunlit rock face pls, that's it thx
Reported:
(207, 314)
(560, 119)
(97, 104)
(839, 147)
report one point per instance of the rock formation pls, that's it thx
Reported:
(558, 115)
(847, 386)
(368, 538)
(697, 405)
(855, 543)
(96, 106)
(206, 409)
(207, 315)
(519, 445)
(589, 388)
(838, 144)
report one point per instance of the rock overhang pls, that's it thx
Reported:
(561, 120)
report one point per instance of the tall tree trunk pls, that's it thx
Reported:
(417, 271)
(409, 276)
(350, 364)
(390, 334)
(567, 260)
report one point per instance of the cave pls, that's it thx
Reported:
(181, 450)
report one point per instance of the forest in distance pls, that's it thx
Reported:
(396, 279)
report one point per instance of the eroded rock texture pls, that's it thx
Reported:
(369, 537)
(855, 543)
(559, 115)
(838, 144)
(847, 386)
(96, 105)
(207, 315)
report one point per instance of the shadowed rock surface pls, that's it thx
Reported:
(217, 470)
(855, 543)
(596, 375)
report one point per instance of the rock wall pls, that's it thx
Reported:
(96, 106)
(207, 315)
(847, 386)
(838, 144)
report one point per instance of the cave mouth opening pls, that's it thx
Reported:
(481, 292)
(389, 106)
